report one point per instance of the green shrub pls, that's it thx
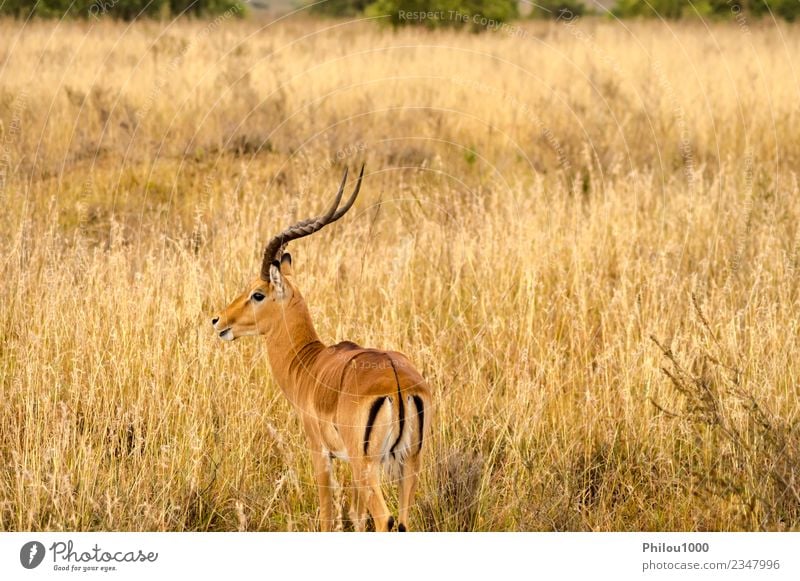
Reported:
(123, 9)
(786, 9)
(558, 9)
(662, 8)
(339, 8)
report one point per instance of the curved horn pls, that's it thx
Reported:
(349, 203)
(306, 227)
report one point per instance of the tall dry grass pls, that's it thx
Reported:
(585, 235)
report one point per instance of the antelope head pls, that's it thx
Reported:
(272, 299)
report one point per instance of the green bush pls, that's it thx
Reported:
(786, 9)
(662, 8)
(340, 8)
(558, 9)
(123, 9)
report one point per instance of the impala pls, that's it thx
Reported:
(364, 406)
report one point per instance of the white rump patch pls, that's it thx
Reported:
(392, 463)
(390, 435)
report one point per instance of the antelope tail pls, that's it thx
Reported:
(391, 436)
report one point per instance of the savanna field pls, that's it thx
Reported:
(584, 234)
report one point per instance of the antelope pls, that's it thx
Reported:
(365, 406)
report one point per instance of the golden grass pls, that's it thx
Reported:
(537, 206)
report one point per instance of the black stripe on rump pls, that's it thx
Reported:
(421, 416)
(402, 408)
(373, 413)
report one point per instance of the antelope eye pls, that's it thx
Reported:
(257, 297)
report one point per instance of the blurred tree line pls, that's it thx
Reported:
(434, 13)
(475, 14)
(786, 9)
(124, 9)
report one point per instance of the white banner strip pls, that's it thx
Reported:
(350, 556)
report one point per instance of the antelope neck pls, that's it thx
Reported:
(293, 348)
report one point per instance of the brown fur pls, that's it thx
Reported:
(333, 389)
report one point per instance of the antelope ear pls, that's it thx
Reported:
(276, 279)
(286, 264)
